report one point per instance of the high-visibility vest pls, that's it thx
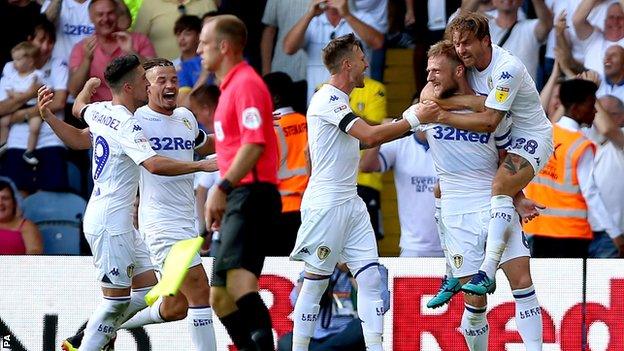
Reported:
(557, 187)
(292, 135)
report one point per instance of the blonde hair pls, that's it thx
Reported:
(29, 49)
(444, 48)
(468, 23)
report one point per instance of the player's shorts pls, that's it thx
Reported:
(466, 235)
(117, 258)
(535, 148)
(159, 243)
(340, 233)
(247, 229)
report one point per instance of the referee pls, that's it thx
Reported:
(246, 204)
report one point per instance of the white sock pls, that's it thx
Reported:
(438, 219)
(529, 318)
(150, 315)
(502, 213)
(104, 323)
(306, 311)
(370, 307)
(201, 328)
(474, 326)
(137, 303)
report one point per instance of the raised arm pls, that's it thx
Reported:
(53, 10)
(581, 25)
(295, 38)
(74, 138)
(84, 96)
(266, 48)
(368, 34)
(545, 20)
(607, 127)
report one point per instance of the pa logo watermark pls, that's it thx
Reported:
(6, 343)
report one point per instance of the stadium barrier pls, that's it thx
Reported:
(45, 299)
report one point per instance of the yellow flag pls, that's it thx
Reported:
(175, 269)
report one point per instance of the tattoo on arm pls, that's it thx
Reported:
(514, 163)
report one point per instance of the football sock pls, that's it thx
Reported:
(370, 306)
(306, 311)
(502, 213)
(103, 323)
(149, 315)
(201, 328)
(258, 320)
(528, 318)
(474, 326)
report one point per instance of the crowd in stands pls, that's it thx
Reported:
(61, 43)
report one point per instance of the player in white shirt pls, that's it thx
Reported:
(511, 92)
(119, 147)
(335, 224)
(466, 163)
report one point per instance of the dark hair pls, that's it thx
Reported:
(468, 23)
(47, 27)
(575, 91)
(6, 185)
(281, 88)
(337, 49)
(231, 28)
(120, 70)
(187, 22)
(207, 95)
(210, 14)
(157, 62)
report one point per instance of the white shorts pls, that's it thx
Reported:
(465, 236)
(117, 258)
(341, 233)
(534, 148)
(160, 243)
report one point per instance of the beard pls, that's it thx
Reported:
(448, 92)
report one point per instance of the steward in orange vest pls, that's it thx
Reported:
(563, 229)
(292, 139)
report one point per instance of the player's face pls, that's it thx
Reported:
(358, 65)
(139, 87)
(22, 62)
(441, 74)
(163, 88)
(209, 48)
(103, 14)
(7, 205)
(470, 49)
(187, 40)
(613, 62)
(614, 23)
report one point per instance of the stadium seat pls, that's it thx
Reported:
(59, 218)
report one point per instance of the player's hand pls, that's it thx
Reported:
(124, 40)
(215, 208)
(527, 208)
(317, 7)
(44, 98)
(619, 243)
(91, 85)
(209, 164)
(427, 111)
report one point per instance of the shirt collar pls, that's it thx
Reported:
(230, 74)
(423, 143)
(340, 92)
(569, 123)
(282, 111)
(619, 84)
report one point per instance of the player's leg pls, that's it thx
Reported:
(474, 323)
(197, 291)
(516, 265)
(307, 307)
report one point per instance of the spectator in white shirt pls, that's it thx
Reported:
(613, 80)
(594, 40)
(71, 18)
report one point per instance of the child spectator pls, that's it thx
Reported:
(24, 55)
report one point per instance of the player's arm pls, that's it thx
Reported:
(84, 97)
(166, 166)
(373, 136)
(482, 122)
(456, 102)
(204, 144)
(369, 161)
(74, 138)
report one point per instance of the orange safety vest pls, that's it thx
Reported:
(557, 187)
(292, 135)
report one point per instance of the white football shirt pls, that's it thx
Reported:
(168, 202)
(509, 87)
(466, 163)
(334, 153)
(119, 146)
(73, 24)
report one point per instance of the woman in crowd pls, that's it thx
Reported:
(18, 236)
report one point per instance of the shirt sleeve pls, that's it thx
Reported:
(502, 134)
(339, 113)
(252, 110)
(59, 76)
(387, 155)
(269, 17)
(506, 82)
(133, 142)
(599, 218)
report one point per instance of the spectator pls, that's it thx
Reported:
(378, 11)
(24, 55)
(414, 178)
(124, 17)
(609, 161)
(338, 327)
(549, 96)
(594, 40)
(566, 185)
(613, 80)
(18, 236)
(522, 38)
(324, 21)
(156, 19)
(51, 172)
(369, 103)
(291, 130)
(71, 18)
(279, 17)
(90, 56)
(17, 20)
